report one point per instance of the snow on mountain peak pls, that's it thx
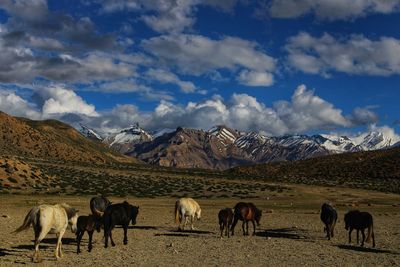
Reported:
(89, 133)
(224, 133)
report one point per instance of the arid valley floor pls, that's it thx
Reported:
(291, 233)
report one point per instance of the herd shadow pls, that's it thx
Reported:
(288, 233)
(184, 233)
(364, 249)
(5, 252)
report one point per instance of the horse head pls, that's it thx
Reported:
(72, 215)
(198, 214)
(134, 213)
(257, 216)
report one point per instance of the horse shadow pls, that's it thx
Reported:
(5, 252)
(364, 249)
(45, 243)
(184, 233)
(143, 227)
(288, 233)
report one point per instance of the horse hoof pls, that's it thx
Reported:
(113, 244)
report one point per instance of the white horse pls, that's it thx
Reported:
(186, 208)
(49, 219)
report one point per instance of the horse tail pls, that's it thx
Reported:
(29, 219)
(97, 212)
(177, 211)
(370, 231)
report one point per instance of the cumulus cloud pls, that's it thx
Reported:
(331, 9)
(303, 113)
(165, 16)
(56, 99)
(15, 105)
(165, 76)
(353, 55)
(197, 55)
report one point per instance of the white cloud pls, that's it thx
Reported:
(197, 55)
(353, 55)
(331, 9)
(165, 76)
(303, 113)
(58, 100)
(13, 104)
(255, 78)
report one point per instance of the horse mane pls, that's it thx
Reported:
(71, 212)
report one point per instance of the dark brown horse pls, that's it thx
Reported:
(85, 224)
(246, 212)
(358, 220)
(225, 218)
(329, 218)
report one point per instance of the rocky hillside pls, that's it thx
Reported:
(380, 169)
(53, 140)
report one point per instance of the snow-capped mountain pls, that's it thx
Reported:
(124, 140)
(222, 147)
(90, 133)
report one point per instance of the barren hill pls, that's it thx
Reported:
(380, 169)
(51, 139)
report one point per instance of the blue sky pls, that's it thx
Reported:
(277, 67)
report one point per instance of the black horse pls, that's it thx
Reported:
(85, 224)
(225, 218)
(329, 218)
(358, 220)
(98, 205)
(119, 214)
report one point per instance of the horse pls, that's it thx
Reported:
(98, 205)
(225, 218)
(246, 212)
(118, 214)
(329, 218)
(358, 220)
(186, 208)
(85, 223)
(49, 219)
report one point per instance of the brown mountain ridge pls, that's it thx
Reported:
(51, 139)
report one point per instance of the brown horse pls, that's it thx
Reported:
(246, 212)
(225, 218)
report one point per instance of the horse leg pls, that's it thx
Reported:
(221, 228)
(373, 238)
(185, 222)
(59, 244)
(90, 246)
(254, 227)
(79, 236)
(244, 232)
(363, 237)
(235, 220)
(191, 222)
(40, 233)
(247, 227)
(358, 233)
(351, 229)
(111, 239)
(125, 234)
(105, 237)
(333, 228)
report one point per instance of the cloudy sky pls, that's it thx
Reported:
(274, 66)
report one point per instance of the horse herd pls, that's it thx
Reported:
(56, 218)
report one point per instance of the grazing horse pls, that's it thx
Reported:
(98, 205)
(186, 208)
(329, 218)
(225, 218)
(49, 219)
(358, 220)
(246, 212)
(85, 223)
(118, 214)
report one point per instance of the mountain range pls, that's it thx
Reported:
(222, 147)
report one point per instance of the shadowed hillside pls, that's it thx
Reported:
(53, 140)
(378, 170)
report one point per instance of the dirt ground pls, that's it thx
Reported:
(291, 234)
